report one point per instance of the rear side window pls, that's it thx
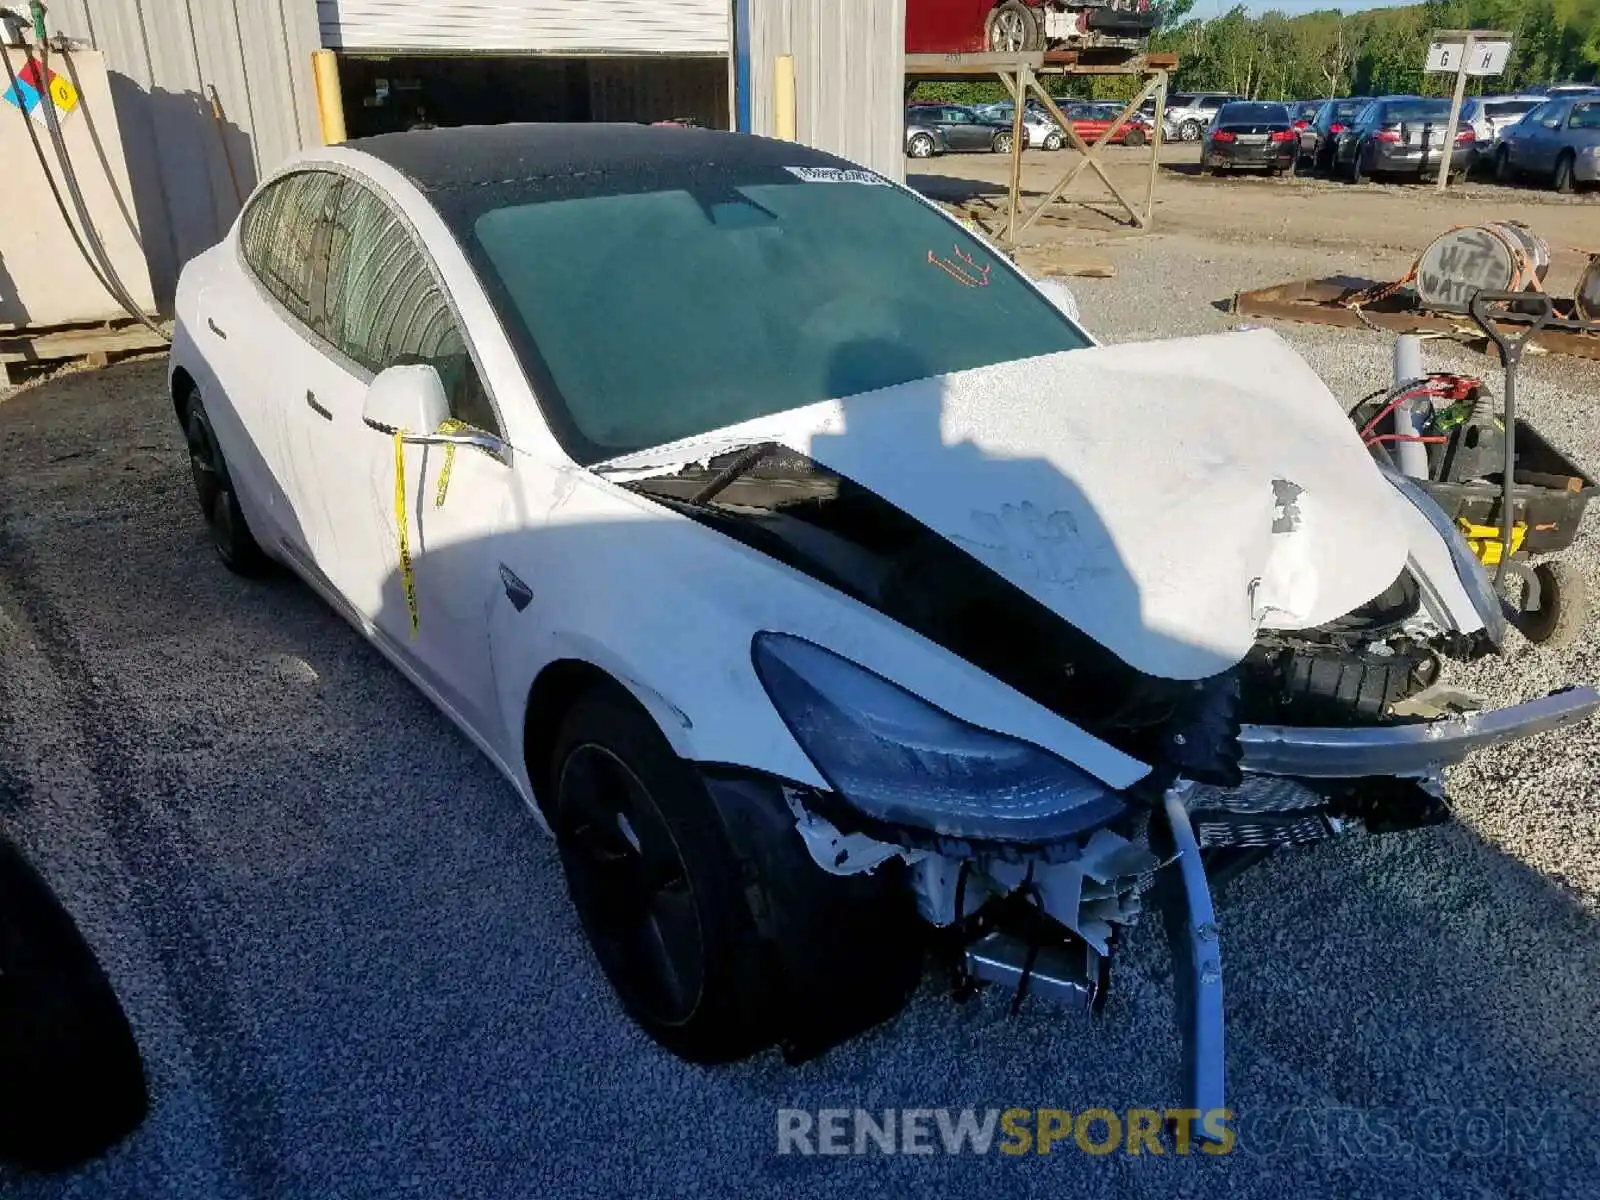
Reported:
(384, 308)
(278, 236)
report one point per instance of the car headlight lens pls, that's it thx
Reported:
(1476, 581)
(902, 761)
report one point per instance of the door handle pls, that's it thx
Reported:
(216, 329)
(311, 403)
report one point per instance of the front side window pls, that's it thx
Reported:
(278, 236)
(1585, 116)
(383, 307)
(724, 294)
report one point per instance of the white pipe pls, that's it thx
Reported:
(1410, 416)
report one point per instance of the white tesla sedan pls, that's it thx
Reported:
(812, 574)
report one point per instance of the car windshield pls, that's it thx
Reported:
(725, 294)
(1403, 112)
(1231, 114)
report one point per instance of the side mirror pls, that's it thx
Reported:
(411, 398)
(1059, 294)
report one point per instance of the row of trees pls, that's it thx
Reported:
(1332, 53)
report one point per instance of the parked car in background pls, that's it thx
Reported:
(1009, 26)
(1251, 135)
(1558, 141)
(924, 137)
(1039, 130)
(1489, 115)
(1301, 114)
(1332, 119)
(1401, 135)
(962, 128)
(1089, 121)
(1188, 113)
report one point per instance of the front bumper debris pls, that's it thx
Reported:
(1417, 749)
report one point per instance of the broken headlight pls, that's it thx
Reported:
(900, 760)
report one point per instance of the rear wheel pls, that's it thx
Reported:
(920, 146)
(1001, 143)
(1014, 27)
(1190, 131)
(1134, 138)
(219, 503)
(1502, 165)
(1562, 180)
(1053, 141)
(1353, 173)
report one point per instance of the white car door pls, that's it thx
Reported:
(384, 305)
(259, 313)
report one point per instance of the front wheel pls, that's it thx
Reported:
(219, 503)
(1001, 143)
(920, 146)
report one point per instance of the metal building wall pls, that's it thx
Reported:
(849, 64)
(162, 57)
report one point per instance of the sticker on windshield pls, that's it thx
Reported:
(836, 175)
(963, 268)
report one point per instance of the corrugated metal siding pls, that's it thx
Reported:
(162, 55)
(544, 26)
(849, 63)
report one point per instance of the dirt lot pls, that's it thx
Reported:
(352, 966)
(1390, 222)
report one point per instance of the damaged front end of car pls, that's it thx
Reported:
(1032, 867)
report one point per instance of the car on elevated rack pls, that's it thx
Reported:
(842, 611)
(1013, 26)
(1251, 135)
(1402, 136)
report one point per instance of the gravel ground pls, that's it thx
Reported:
(346, 950)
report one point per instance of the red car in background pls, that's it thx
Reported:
(1089, 121)
(1008, 26)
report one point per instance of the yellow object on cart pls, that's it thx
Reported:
(1484, 540)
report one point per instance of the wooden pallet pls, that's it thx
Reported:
(93, 342)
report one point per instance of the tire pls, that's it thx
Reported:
(1013, 27)
(1563, 606)
(1190, 131)
(920, 146)
(1355, 174)
(1502, 165)
(656, 884)
(1217, 171)
(219, 504)
(1562, 181)
(1134, 138)
(708, 873)
(1001, 143)
(71, 1081)
(1053, 141)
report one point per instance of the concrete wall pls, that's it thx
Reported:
(161, 57)
(849, 62)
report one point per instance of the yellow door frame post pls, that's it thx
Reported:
(783, 107)
(330, 100)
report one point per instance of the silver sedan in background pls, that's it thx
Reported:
(1558, 141)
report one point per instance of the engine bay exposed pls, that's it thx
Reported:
(1348, 672)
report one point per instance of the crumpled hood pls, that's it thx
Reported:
(1167, 498)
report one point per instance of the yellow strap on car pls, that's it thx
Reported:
(406, 575)
(450, 426)
(1484, 540)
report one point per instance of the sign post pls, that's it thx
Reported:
(1466, 52)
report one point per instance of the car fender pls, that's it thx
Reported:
(686, 653)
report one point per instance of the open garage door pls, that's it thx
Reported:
(595, 27)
